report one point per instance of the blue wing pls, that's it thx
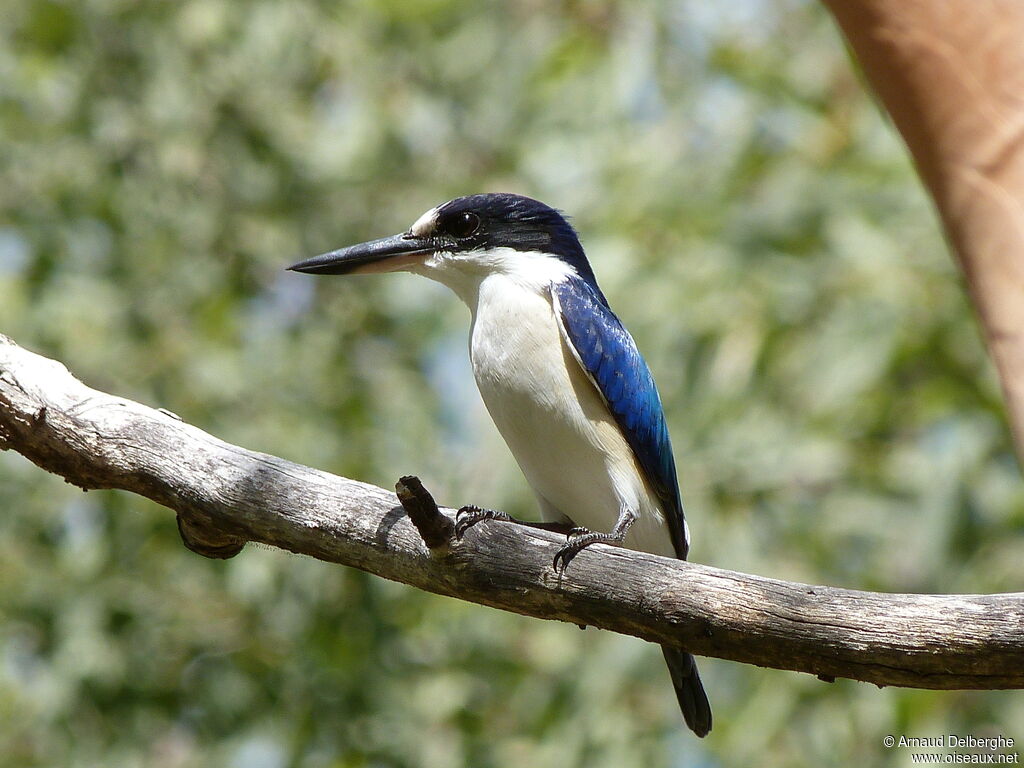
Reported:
(611, 360)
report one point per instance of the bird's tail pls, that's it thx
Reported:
(689, 690)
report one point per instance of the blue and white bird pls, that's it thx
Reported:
(561, 377)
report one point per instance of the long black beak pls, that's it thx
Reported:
(384, 255)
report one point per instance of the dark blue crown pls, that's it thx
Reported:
(517, 222)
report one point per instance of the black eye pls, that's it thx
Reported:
(463, 224)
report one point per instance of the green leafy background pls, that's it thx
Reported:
(752, 218)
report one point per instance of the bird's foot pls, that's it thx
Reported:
(470, 515)
(578, 540)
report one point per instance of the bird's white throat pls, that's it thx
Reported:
(465, 271)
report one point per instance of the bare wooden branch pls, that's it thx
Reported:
(226, 495)
(436, 529)
(949, 73)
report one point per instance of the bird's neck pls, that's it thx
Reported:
(501, 270)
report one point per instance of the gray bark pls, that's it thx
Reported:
(226, 496)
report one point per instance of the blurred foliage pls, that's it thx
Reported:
(753, 220)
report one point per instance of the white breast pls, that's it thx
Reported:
(554, 420)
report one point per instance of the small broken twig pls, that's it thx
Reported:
(435, 528)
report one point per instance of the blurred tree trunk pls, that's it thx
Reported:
(951, 74)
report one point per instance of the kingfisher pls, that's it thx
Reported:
(561, 377)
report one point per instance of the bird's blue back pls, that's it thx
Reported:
(612, 361)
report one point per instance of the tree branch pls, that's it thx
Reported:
(949, 74)
(225, 496)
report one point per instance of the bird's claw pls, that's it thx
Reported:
(577, 540)
(471, 514)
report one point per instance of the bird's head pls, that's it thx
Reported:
(467, 239)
